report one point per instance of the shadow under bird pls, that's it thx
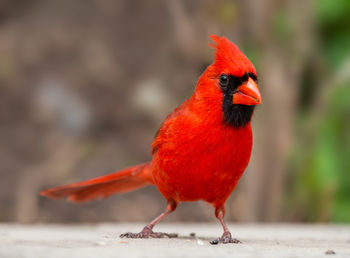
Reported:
(200, 151)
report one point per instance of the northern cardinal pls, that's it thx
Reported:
(200, 151)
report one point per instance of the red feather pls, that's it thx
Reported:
(102, 187)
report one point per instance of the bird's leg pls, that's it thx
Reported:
(226, 236)
(147, 231)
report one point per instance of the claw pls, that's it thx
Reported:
(226, 238)
(148, 233)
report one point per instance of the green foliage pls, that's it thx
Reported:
(334, 29)
(321, 161)
(332, 152)
(322, 183)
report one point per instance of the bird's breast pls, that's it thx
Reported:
(204, 163)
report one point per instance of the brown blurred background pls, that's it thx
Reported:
(84, 86)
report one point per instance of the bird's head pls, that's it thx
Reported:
(230, 81)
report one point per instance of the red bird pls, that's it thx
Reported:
(201, 150)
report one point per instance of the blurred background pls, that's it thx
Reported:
(84, 86)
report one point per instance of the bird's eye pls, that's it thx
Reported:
(224, 81)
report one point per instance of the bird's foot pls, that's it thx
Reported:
(147, 232)
(226, 238)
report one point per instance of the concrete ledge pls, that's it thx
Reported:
(285, 240)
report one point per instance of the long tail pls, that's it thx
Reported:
(101, 187)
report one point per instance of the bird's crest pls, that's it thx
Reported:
(229, 58)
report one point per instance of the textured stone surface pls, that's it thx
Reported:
(285, 240)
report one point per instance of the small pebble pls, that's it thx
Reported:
(200, 242)
(214, 242)
(329, 252)
(192, 234)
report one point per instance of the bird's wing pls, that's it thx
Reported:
(165, 131)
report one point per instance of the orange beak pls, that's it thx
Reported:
(247, 94)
